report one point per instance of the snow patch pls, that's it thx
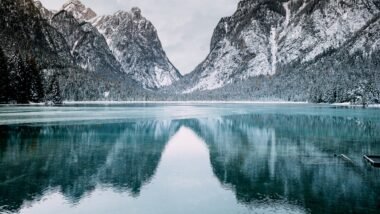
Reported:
(74, 47)
(218, 75)
(163, 77)
(288, 13)
(274, 50)
(226, 27)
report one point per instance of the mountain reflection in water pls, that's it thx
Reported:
(254, 163)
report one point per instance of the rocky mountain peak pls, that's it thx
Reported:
(79, 10)
(136, 12)
(134, 41)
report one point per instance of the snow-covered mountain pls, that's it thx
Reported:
(281, 48)
(130, 38)
(70, 59)
(135, 44)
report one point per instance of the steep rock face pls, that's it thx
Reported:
(135, 44)
(243, 45)
(88, 46)
(78, 10)
(291, 40)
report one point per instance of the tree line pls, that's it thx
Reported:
(22, 82)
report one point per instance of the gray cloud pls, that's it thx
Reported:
(185, 27)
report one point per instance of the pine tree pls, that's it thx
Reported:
(22, 81)
(54, 91)
(4, 78)
(36, 85)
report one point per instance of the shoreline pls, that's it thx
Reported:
(181, 102)
(155, 102)
(355, 105)
(68, 103)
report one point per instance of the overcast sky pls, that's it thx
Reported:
(185, 27)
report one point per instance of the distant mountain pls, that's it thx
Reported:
(316, 50)
(135, 44)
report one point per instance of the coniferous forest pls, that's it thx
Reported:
(21, 81)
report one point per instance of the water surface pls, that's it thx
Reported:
(173, 158)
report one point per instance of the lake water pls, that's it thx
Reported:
(188, 158)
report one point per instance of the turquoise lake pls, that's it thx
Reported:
(188, 158)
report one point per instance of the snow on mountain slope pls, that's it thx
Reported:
(265, 37)
(322, 25)
(135, 44)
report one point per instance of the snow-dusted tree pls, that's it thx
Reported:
(364, 93)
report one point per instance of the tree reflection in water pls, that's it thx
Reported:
(262, 158)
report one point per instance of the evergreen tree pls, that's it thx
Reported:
(36, 85)
(54, 91)
(22, 81)
(4, 78)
